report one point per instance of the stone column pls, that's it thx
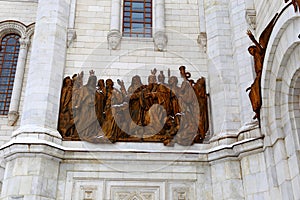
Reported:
(33, 155)
(114, 36)
(160, 37)
(13, 113)
(46, 67)
(222, 74)
(242, 59)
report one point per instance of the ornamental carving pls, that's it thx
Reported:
(99, 112)
(11, 26)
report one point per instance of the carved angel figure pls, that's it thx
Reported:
(258, 52)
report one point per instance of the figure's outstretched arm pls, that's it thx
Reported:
(252, 38)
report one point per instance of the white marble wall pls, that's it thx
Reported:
(252, 164)
(222, 73)
(135, 55)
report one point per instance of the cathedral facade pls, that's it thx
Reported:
(215, 113)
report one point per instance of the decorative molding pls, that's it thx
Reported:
(11, 26)
(29, 1)
(251, 18)
(24, 43)
(30, 30)
(88, 192)
(181, 193)
(71, 36)
(114, 38)
(135, 195)
(13, 117)
(7, 27)
(160, 40)
(135, 192)
(202, 40)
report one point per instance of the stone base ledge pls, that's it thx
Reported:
(79, 150)
(36, 133)
(248, 131)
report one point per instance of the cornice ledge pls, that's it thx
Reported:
(20, 147)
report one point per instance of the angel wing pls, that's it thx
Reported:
(265, 35)
(296, 4)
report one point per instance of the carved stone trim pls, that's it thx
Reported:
(32, 1)
(202, 40)
(7, 27)
(135, 193)
(71, 36)
(88, 192)
(11, 26)
(160, 40)
(24, 43)
(114, 38)
(13, 116)
(30, 30)
(251, 18)
(181, 193)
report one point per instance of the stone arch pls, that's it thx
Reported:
(12, 26)
(277, 76)
(30, 30)
(293, 101)
(279, 113)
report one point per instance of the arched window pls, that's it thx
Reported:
(9, 52)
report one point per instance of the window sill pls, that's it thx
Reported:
(138, 39)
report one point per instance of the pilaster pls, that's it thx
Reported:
(242, 60)
(41, 103)
(33, 154)
(222, 75)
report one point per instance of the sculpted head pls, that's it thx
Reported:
(92, 81)
(67, 81)
(252, 49)
(173, 80)
(161, 77)
(101, 83)
(109, 83)
(136, 80)
(152, 79)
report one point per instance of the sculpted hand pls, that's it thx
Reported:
(249, 33)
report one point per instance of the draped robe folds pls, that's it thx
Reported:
(85, 116)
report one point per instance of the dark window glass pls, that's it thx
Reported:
(137, 15)
(9, 52)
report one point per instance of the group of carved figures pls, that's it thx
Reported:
(157, 112)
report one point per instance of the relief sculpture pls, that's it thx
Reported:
(258, 51)
(159, 111)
